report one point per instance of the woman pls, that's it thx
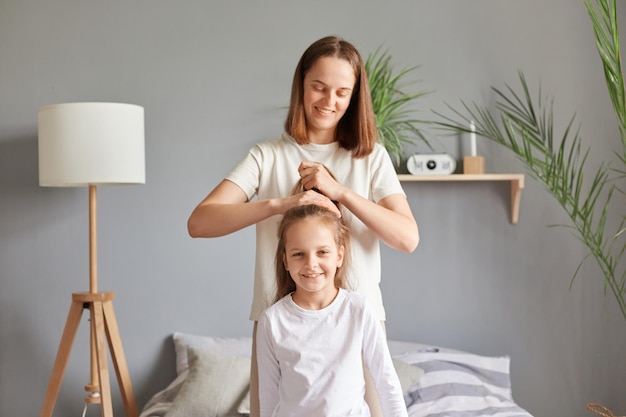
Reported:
(330, 122)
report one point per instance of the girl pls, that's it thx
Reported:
(310, 342)
(330, 121)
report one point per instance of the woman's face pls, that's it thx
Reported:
(328, 87)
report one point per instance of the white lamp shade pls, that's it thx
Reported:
(91, 143)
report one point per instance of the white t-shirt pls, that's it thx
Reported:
(311, 361)
(270, 170)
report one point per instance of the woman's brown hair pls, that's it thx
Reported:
(356, 130)
(284, 283)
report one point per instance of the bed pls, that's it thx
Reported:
(213, 380)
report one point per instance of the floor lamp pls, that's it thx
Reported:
(90, 144)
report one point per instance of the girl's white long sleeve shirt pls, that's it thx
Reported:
(311, 361)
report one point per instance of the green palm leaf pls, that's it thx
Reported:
(525, 126)
(392, 105)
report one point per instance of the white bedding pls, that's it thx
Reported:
(453, 383)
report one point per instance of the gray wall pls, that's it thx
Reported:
(213, 78)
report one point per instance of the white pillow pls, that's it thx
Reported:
(215, 386)
(232, 346)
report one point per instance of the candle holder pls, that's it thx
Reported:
(473, 165)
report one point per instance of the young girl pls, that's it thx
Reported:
(311, 341)
(330, 122)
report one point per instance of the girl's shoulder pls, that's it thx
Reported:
(273, 314)
(355, 298)
(281, 303)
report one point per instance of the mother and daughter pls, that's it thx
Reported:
(331, 124)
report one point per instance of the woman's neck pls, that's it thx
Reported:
(323, 137)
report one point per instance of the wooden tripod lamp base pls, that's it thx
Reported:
(103, 326)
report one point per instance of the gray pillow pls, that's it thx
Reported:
(215, 386)
(230, 346)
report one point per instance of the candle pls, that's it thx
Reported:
(472, 138)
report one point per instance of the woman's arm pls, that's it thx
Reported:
(391, 219)
(227, 209)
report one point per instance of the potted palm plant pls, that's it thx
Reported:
(392, 105)
(525, 126)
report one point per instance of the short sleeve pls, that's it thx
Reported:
(385, 180)
(247, 172)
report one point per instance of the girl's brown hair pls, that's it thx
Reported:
(356, 130)
(284, 283)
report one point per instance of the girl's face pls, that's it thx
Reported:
(312, 258)
(328, 87)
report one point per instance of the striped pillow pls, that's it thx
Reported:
(461, 384)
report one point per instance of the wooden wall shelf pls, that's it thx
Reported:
(516, 180)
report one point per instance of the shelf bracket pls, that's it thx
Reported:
(517, 185)
(516, 180)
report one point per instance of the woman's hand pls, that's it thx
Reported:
(313, 197)
(314, 175)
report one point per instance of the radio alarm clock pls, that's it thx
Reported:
(431, 164)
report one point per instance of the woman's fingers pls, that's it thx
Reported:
(319, 199)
